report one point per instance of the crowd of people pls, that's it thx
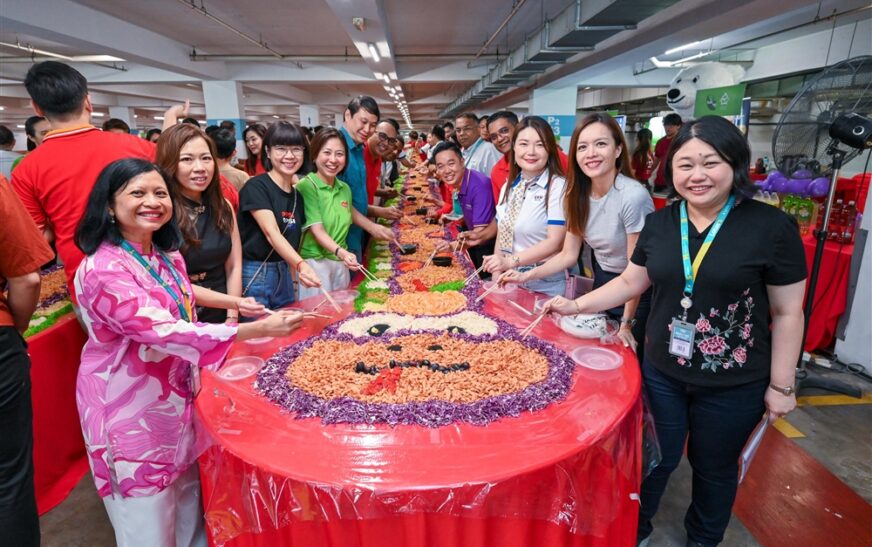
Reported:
(173, 250)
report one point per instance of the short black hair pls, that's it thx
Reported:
(365, 102)
(211, 129)
(191, 121)
(228, 124)
(444, 146)
(672, 119)
(57, 89)
(7, 137)
(468, 116)
(413, 135)
(393, 124)
(484, 117)
(438, 131)
(30, 130)
(507, 115)
(728, 142)
(96, 225)
(152, 131)
(446, 125)
(115, 123)
(225, 142)
(283, 133)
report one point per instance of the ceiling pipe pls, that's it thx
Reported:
(332, 58)
(202, 10)
(499, 29)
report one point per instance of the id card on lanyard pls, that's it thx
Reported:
(683, 333)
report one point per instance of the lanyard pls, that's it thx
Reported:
(183, 304)
(472, 151)
(690, 271)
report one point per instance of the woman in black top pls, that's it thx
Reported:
(271, 221)
(722, 344)
(212, 249)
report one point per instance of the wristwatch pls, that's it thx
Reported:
(631, 322)
(786, 391)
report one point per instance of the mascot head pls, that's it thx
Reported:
(682, 91)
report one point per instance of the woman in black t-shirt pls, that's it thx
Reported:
(271, 221)
(212, 250)
(722, 345)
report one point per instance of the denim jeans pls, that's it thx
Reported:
(18, 519)
(553, 285)
(716, 423)
(273, 285)
(600, 278)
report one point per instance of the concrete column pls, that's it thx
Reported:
(309, 115)
(125, 114)
(224, 103)
(557, 106)
(338, 120)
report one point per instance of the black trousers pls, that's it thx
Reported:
(19, 522)
(478, 253)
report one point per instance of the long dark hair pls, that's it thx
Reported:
(169, 148)
(251, 160)
(643, 146)
(96, 225)
(727, 141)
(578, 185)
(543, 129)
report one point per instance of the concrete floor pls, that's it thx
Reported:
(837, 436)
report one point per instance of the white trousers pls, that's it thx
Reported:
(171, 518)
(334, 276)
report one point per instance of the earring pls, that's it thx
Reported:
(112, 219)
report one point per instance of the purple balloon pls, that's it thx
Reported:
(797, 186)
(802, 174)
(819, 187)
(778, 185)
(774, 175)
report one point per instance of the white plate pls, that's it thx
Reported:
(237, 368)
(596, 358)
(569, 326)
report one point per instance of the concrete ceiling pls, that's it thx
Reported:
(308, 52)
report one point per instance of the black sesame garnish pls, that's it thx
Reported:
(395, 347)
(379, 329)
(435, 347)
(454, 329)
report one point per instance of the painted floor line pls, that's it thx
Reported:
(787, 429)
(833, 400)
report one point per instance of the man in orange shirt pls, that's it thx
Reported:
(22, 250)
(55, 180)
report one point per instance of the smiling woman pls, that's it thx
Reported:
(212, 248)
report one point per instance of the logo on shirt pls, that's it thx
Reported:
(345, 204)
(538, 197)
(288, 218)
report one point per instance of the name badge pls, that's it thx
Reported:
(681, 339)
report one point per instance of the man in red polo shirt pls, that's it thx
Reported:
(378, 145)
(55, 180)
(671, 124)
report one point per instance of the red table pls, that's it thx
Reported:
(564, 476)
(59, 455)
(831, 293)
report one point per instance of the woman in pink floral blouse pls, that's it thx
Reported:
(725, 329)
(135, 382)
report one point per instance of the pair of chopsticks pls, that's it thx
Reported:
(330, 299)
(487, 292)
(522, 308)
(474, 274)
(430, 258)
(305, 313)
(366, 273)
(524, 333)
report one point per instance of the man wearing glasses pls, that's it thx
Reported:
(380, 146)
(478, 154)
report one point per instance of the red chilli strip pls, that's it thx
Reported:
(419, 285)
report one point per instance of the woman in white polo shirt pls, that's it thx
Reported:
(531, 223)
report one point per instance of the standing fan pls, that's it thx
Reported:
(833, 109)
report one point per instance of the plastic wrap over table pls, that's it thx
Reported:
(567, 474)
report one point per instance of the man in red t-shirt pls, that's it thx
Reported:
(379, 145)
(22, 250)
(671, 124)
(55, 180)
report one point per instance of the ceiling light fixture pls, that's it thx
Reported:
(374, 52)
(680, 48)
(386, 78)
(98, 114)
(19, 126)
(2, 108)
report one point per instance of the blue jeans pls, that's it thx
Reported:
(553, 285)
(273, 286)
(716, 423)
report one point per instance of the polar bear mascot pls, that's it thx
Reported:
(682, 91)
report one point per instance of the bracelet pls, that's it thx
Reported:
(336, 251)
(577, 307)
(516, 260)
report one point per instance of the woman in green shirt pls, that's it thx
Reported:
(329, 215)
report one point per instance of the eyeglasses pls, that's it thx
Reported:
(282, 151)
(390, 140)
(501, 132)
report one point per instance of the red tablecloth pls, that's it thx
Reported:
(563, 476)
(831, 293)
(58, 447)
